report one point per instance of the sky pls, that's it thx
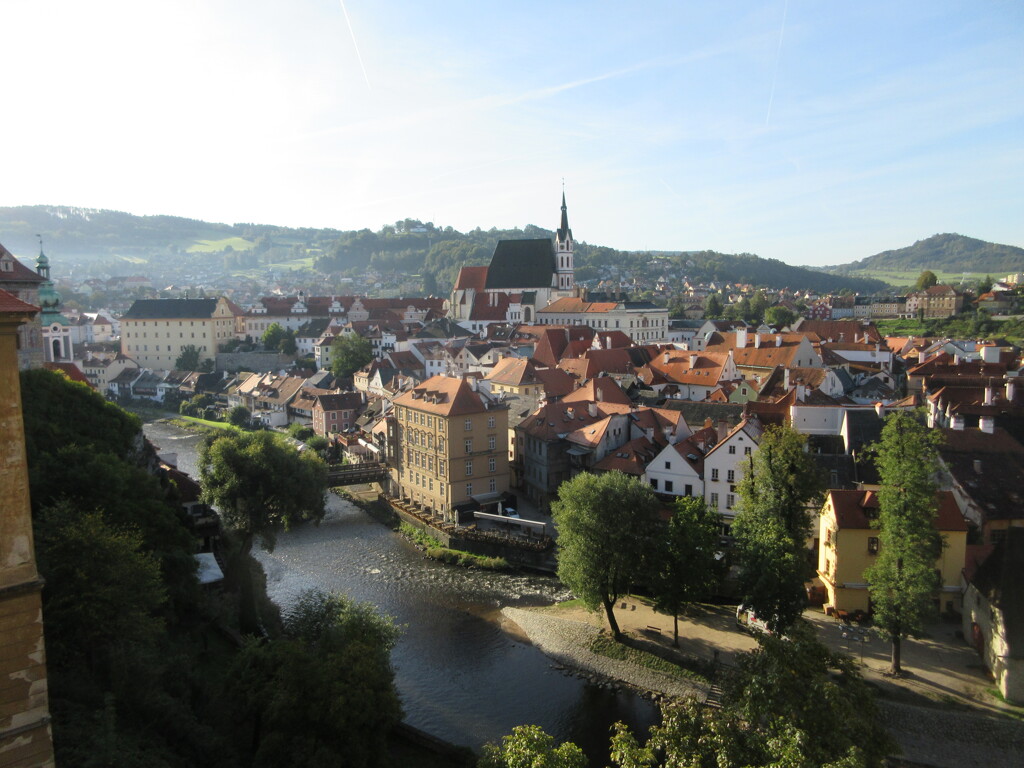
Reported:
(815, 133)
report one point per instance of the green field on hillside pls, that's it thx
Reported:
(255, 273)
(909, 277)
(216, 246)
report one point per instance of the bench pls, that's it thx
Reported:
(653, 629)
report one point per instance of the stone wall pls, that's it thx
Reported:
(256, 362)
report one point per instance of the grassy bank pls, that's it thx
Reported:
(457, 557)
(630, 650)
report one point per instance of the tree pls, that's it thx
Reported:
(779, 317)
(607, 532)
(771, 528)
(686, 571)
(902, 581)
(273, 337)
(189, 358)
(792, 702)
(528, 746)
(713, 306)
(349, 353)
(239, 416)
(926, 280)
(261, 485)
(323, 693)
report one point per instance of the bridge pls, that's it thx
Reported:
(355, 474)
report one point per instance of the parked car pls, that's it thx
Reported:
(748, 620)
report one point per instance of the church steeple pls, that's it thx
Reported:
(563, 251)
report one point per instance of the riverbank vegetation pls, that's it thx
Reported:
(435, 551)
(146, 669)
(679, 665)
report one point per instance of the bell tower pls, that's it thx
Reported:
(563, 253)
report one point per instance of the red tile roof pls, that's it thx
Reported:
(9, 303)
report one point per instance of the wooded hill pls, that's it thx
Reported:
(946, 253)
(112, 238)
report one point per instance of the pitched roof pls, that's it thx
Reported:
(12, 304)
(631, 458)
(471, 278)
(445, 396)
(18, 273)
(344, 401)
(72, 371)
(521, 264)
(597, 390)
(170, 309)
(859, 509)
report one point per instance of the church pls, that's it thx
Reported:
(524, 276)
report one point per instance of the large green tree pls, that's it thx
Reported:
(261, 485)
(791, 702)
(780, 485)
(189, 358)
(686, 570)
(323, 693)
(607, 536)
(902, 581)
(349, 353)
(926, 280)
(528, 746)
(779, 317)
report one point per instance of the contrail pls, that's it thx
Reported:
(355, 45)
(778, 56)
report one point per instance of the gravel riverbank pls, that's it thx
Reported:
(568, 643)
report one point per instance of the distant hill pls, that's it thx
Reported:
(946, 253)
(120, 241)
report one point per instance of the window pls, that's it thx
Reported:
(730, 499)
(492, 464)
(469, 489)
(668, 486)
(441, 485)
(872, 545)
(490, 443)
(688, 490)
(747, 451)
(492, 486)
(714, 475)
(469, 424)
(668, 465)
(490, 422)
(732, 450)
(469, 446)
(731, 475)
(469, 468)
(714, 500)
(654, 483)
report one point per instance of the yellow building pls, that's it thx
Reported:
(25, 738)
(155, 331)
(451, 445)
(850, 542)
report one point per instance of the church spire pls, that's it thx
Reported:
(564, 233)
(563, 251)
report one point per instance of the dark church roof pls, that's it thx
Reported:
(171, 309)
(518, 264)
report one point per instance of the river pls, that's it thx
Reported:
(460, 675)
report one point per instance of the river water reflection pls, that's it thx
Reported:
(459, 674)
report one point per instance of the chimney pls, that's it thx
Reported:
(1010, 387)
(987, 425)
(708, 423)
(599, 394)
(723, 429)
(592, 410)
(665, 359)
(757, 341)
(741, 337)
(472, 383)
(989, 394)
(778, 340)
(977, 466)
(649, 432)
(880, 409)
(956, 422)
(785, 379)
(693, 361)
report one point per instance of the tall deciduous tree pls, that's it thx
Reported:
(779, 485)
(261, 485)
(189, 358)
(902, 581)
(322, 694)
(926, 280)
(607, 533)
(349, 353)
(528, 746)
(713, 306)
(686, 571)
